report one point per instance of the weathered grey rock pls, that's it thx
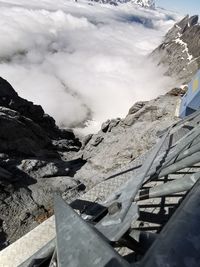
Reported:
(96, 141)
(32, 165)
(25, 208)
(105, 126)
(178, 91)
(109, 124)
(146, 112)
(15, 209)
(131, 137)
(26, 197)
(10, 99)
(38, 169)
(19, 134)
(42, 192)
(85, 140)
(136, 107)
(180, 49)
(65, 145)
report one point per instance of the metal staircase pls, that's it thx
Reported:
(152, 219)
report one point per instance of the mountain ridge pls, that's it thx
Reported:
(180, 50)
(145, 3)
(142, 3)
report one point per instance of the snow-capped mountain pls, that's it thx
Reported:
(180, 50)
(145, 3)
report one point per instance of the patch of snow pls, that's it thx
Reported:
(142, 3)
(179, 41)
(145, 3)
(178, 27)
(183, 86)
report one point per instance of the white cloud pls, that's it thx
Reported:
(81, 61)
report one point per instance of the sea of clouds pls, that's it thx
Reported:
(84, 63)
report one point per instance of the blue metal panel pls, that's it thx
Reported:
(191, 100)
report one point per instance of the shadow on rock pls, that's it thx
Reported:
(3, 236)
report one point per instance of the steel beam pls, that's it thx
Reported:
(178, 244)
(179, 185)
(79, 244)
(124, 199)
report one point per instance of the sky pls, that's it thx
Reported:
(183, 6)
(83, 63)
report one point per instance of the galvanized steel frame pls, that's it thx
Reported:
(121, 209)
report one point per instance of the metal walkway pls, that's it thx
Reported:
(145, 215)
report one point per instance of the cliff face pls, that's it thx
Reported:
(36, 158)
(180, 49)
(11, 100)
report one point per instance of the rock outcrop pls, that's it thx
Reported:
(10, 99)
(36, 158)
(121, 141)
(180, 49)
(20, 135)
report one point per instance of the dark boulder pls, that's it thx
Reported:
(10, 99)
(20, 135)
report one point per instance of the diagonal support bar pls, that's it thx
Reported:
(178, 243)
(179, 185)
(79, 244)
(124, 198)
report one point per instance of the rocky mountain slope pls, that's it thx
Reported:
(38, 158)
(180, 49)
(121, 141)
